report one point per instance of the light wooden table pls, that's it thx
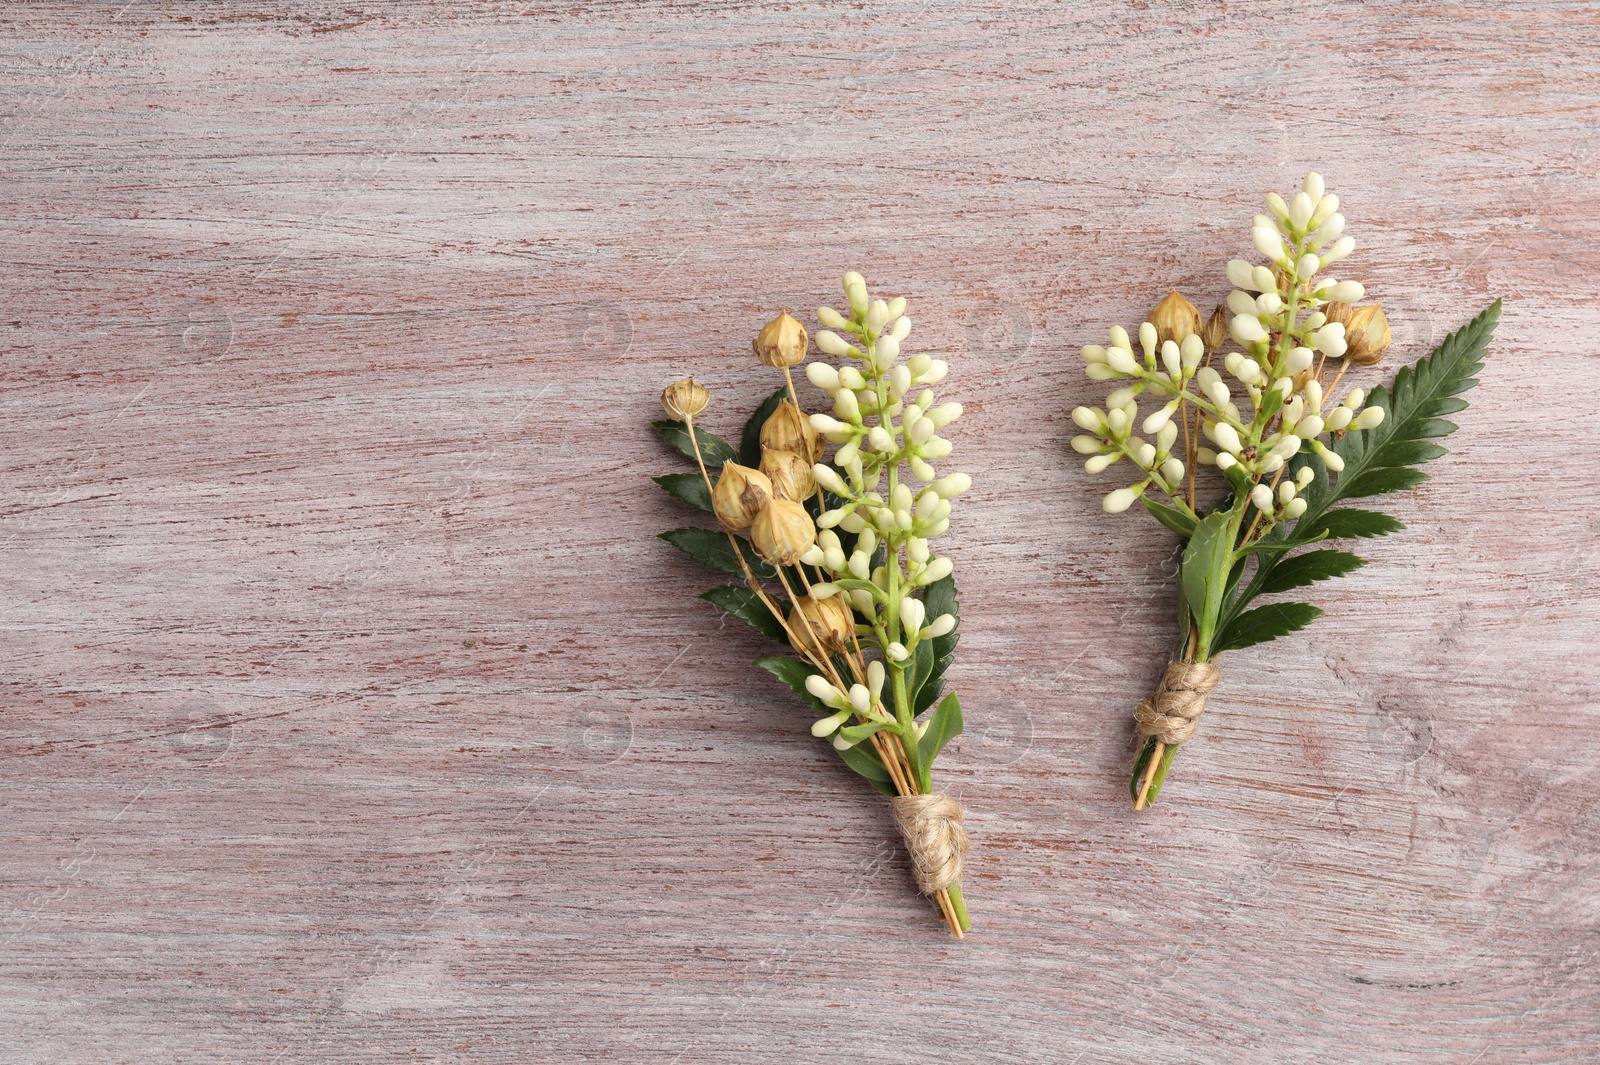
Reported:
(353, 713)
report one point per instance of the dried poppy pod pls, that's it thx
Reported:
(1175, 319)
(782, 532)
(739, 496)
(1366, 335)
(790, 474)
(782, 342)
(831, 626)
(684, 399)
(788, 429)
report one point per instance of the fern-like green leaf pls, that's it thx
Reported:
(713, 448)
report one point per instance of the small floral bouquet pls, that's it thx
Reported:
(1290, 460)
(837, 560)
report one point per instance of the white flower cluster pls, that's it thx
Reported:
(882, 429)
(1279, 323)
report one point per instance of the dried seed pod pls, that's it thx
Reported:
(1215, 332)
(1366, 335)
(790, 474)
(788, 429)
(1339, 312)
(684, 399)
(831, 623)
(782, 532)
(739, 496)
(781, 342)
(1175, 318)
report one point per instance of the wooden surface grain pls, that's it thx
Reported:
(353, 713)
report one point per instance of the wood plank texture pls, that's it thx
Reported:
(352, 712)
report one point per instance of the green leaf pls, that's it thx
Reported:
(689, 487)
(742, 603)
(794, 673)
(944, 726)
(938, 599)
(1171, 517)
(1379, 482)
(713, 448)
(750, 442)
(853, 584)
(1308, 568)
(1205, 568)
(864, 760)
(712, 549)
(1265, 623)
(1347, 523)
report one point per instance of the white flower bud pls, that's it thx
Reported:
(1121, 360)
(886, 350)
(1118, 501)
(832, 318)
(850, 377)
(1346, 292)
(1308, 266)
(1159, 420)
(818, 686)
(878, 439)
(813, 556)
(1100, 462)
(1272, 464)
(823, 376)
(855, 289)
(1261, 496)
(829, 725)
(1086, 418)
(1120, 398)
(943, 625)
(1326, 205)
(1247, 329)
(1226, 461)
(897, 306)
(1288, 447)
(1218, 393)
(1370, 418)
(877, 316)
(921, 431)
(934, 373)
(1304, 477)
(1145, 455)
(1295, 508)
(1300, 209)
(1285, 492)
(846, 406)
(912, 614)
(875, 676)
(1330, 459)
(1227, 438)
(944, 414)
(1314, 396)
(1172, 356)
(1279, 209)
(1172, 470)
(828, 478)
(1205, 456)
(1339, 249)
(1356, 397)
(954, 484)
(1239, 274)
(1330, 338)
(1308, 427)
(1167, 436)
(1191, 351)
(1119, 338)
(860, 698)
(937, 570)
(1299, 360)
(832, 343)
(1267, 242)
(1241, 302)
(1330, 229)
(901, 328)
(937, 448)
(1312, 186)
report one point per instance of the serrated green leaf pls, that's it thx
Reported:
(1171, 517)
(945, 725)
(1265, 623)
(938, 599)
(794, 673)
(712, 549)
(1348, 523)
(713, 448)
(750, 441)
(1301, 570)
(1380, 482)
(1414, 452)
(742, 603)
(689, 487)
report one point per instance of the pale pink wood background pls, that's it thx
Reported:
(353, 713)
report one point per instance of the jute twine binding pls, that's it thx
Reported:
(931, 827)
(1172, 713)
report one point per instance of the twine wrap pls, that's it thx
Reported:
(931, 827)
(1172, 712)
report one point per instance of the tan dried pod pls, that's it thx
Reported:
(1175, 319)
(788, 429)
(1366, 335)
(781, 342)
(684, 399)
(790, 474)
(782, 532)
(831, 622)
(739, 495)
(1339, 312)
(1215, 332)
